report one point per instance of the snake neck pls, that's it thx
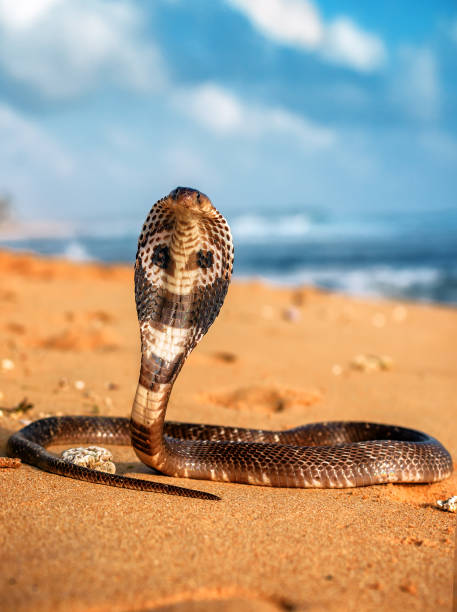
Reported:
(146, 424)
(166, 339)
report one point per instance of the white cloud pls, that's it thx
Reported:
(213, 107)
(295, 22)
(344, 43)
(416, 86)
(298, 23)
(18, 14)
(22, 143)
(222, 112)
(64, 48)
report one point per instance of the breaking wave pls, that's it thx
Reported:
(76, 251)
(422, 283)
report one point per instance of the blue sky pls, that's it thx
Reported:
(105, 106)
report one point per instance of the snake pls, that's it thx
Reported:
(183, 269)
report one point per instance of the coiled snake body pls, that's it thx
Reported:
(182, 272)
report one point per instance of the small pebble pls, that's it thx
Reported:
(291, 314)
(63, 384)
(1, 413)
(448, 505)
(111, 386)
(363, 363)
(299, 298)
(92, 457)
(386, 362)
(79, 384)
(409, 587)
(91, 395)
(7, 365)
(337, 370)
(371, 363)
(25, 421)
(108, 402)
(376, 586)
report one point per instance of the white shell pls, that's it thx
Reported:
(450, 505)
(92, 457)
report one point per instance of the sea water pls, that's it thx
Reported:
(401, 255)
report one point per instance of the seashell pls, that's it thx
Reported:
(92, 457)
(448, 505)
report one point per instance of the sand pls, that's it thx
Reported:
(275, 358)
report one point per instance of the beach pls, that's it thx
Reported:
(274, 359)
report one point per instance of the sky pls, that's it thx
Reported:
(105, 106)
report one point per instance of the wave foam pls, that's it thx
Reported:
(373, 281)
(256, 227)
(75, 251)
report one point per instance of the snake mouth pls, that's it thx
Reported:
(186, 200)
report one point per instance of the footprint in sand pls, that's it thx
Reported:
(81, 339)
(263, 399)
(88, 331)
(419, 495)
(15, 328)
(224, 357)
(7, 296)
(219, 357)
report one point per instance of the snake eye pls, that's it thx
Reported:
(205, 259)
(161, 256)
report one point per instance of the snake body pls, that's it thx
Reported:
(182, 273)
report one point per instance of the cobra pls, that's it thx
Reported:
(182, 273)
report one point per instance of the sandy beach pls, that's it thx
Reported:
(275, 358)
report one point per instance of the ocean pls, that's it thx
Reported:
(410, 256)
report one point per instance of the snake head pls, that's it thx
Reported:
(187, 201)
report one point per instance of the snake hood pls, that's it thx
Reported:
(182, 273)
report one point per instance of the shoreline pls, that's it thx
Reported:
(421, 282)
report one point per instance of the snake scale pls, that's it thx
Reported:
(182, 273)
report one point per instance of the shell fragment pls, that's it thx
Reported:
(449, 505)
(92, 457)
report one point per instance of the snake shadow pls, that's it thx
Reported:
(126, 468)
